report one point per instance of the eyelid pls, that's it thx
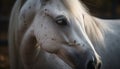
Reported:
(61, 20)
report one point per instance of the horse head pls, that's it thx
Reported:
(59, 28)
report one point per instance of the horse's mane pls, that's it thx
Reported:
(12, 40)
(91, 26)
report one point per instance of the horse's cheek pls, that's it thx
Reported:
(46, 39)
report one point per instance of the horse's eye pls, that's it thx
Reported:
(61, 20)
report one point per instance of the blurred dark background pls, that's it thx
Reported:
(107, 9)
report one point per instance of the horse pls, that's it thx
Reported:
(61, 34)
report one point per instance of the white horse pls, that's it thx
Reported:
(61, 34)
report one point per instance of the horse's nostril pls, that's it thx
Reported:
(99, 65)
(91, 64)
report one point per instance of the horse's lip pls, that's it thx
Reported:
(74, 57)
(61, 54)
(70, 58)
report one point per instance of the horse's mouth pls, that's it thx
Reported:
(77, 59)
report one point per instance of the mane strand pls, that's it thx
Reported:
(93, 28)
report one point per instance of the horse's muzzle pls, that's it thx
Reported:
(79, 59)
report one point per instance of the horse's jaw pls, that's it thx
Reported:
(77, 58)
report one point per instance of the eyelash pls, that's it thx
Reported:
(61, 20)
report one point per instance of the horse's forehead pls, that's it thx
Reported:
(53, 2)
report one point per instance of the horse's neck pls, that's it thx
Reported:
(111, 30)
(112, 35)
(110, 52)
